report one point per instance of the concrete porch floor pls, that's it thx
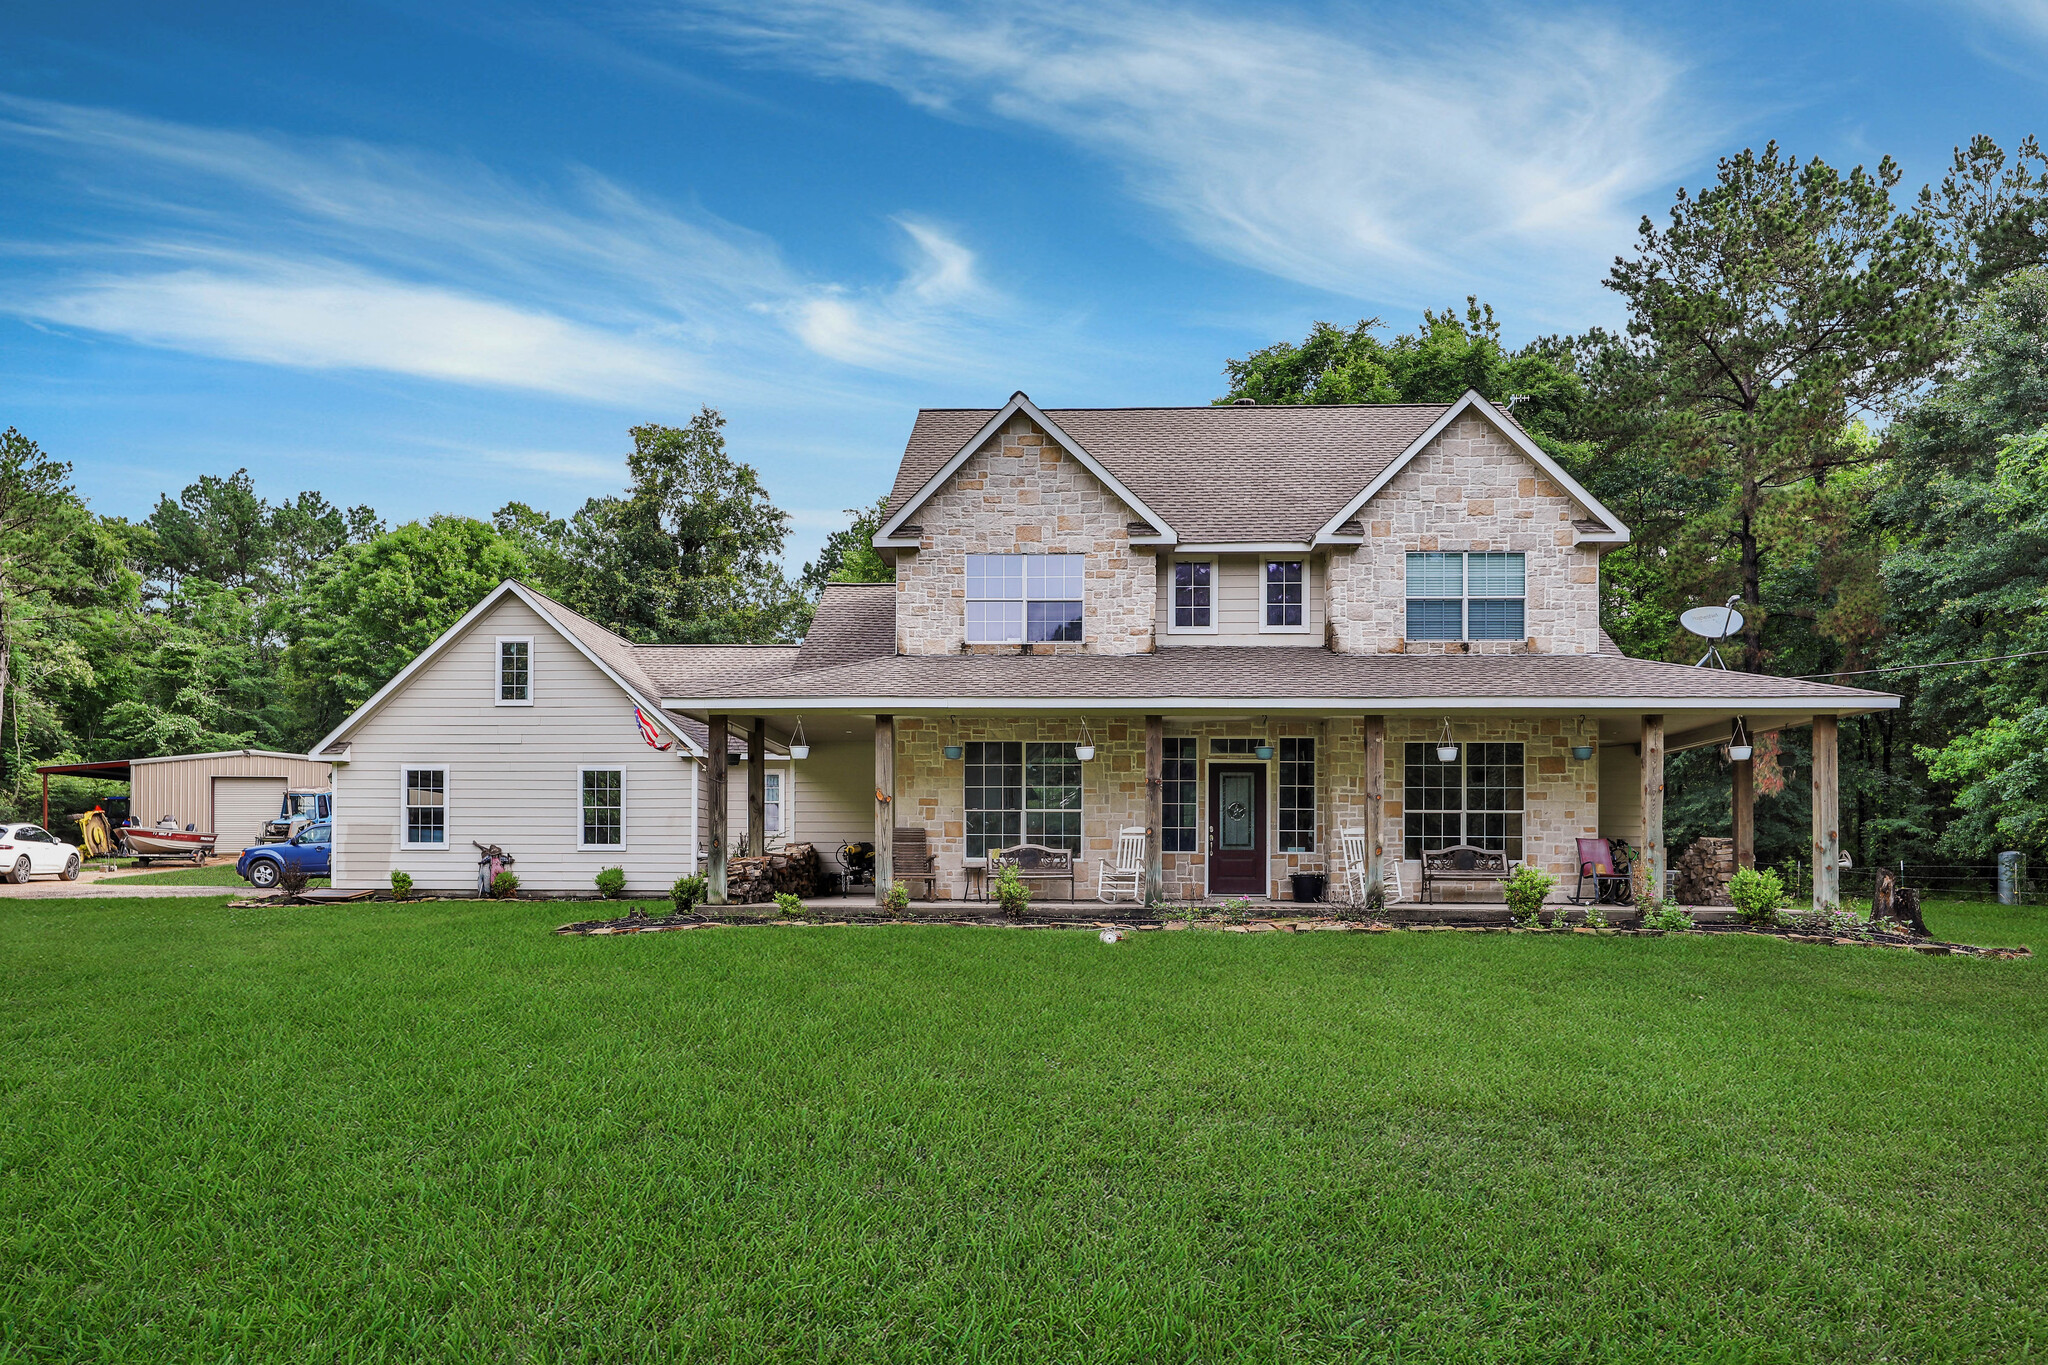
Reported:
(1410, 912)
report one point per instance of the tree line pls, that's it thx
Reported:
(1829, 400)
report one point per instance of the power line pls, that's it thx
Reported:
(1916, 668)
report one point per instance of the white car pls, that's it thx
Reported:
(30, 850)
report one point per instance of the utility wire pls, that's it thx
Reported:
(1915, 668)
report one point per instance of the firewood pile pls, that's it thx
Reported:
(755, 881)
(1701, 874)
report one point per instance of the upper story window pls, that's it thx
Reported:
(515, 671)
(1020, 599)
(1194, 594)
(1465, 596)
(1284, 598)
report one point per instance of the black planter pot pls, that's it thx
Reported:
(1308, 886)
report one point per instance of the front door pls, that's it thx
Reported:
(1237, 830)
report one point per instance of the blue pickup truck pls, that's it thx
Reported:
(264, 865)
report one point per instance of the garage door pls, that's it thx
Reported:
(240, 806)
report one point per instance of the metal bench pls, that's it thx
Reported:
(1462, 865)
(1036, 863)
(911, 859)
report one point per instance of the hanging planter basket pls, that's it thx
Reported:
(1085, 750)
(1446, 747)
(799, 747)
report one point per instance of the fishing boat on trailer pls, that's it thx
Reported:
(145, 844)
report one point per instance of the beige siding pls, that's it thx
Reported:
(1240, 603)
(736, 800)
(1621, 793)
(836, 788)
(512, 772)
(182, 788)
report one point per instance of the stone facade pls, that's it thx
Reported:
(1022, 494)
(1561, 795)
(1468, 490)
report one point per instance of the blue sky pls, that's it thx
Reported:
(435, 257)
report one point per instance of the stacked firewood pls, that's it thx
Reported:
(1700, 876)
(755, 881)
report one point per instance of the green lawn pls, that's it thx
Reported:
(366, 1132)
(220, 874)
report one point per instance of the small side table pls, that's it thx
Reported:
(977, 879)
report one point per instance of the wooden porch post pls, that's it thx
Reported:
(1745, 809)
(1653, 805)
(757, 787)
(1155, 809)
(1827, 814)
(714, 757)
(885, 806)
(1375, 800)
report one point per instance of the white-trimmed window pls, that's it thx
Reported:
(1297, 795)
(1022, 792)
(1286, 595)
(1194, 597)
(1475, 799)
(602, 821)
(1476, 596)
(515, 670)
(423, 807)
(771, 802)
(1019, 599)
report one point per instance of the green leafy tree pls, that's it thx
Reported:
(376, 605)
(1774, 309)
(849, 555)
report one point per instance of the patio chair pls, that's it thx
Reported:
(912, 860)
(1598, 865)
(1126, 876)
(1352, 844)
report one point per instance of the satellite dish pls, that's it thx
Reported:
(1714, 624)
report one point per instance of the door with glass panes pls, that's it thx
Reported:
(1237, 829)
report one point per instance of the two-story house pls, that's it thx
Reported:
(1239, 628)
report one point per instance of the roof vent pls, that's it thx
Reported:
(1245, 403)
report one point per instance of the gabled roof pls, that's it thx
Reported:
(1605, 527)
(853, 621)
(1241, 476)
(902, 509)
(613, 656)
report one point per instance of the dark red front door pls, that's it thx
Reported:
(1237, 829)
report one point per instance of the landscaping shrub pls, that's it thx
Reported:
(789, 905)
(1236, 910)
(505, 886)
(687, 891)
(1669, 916)
(1835, 922)
(401, 886)
(1525, 892)
(1596, 918)
(611, 882)
(1758, 895)
(292, 881)
(1375, 898)
(1011, 893)
(897, 899)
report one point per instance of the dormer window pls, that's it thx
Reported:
(1024, 599)
(515, 671)
(1284, 596)
(1465, 596)
(1194, 595)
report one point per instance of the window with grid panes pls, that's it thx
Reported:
(1018, 599)
(604, 807)
(1297, 795)
(1475, 799)
(1192, 586)
(1466, 596)
(1177, 799)
(1284, 592)
(1022, 793)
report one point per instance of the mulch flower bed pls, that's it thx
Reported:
(640, 922)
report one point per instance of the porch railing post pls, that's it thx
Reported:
(885, 806)
(715, 800)
(1375, 800)
(757, 787)
(1653, 806)
(1827, 814)
(1744, 814)
(1155, 809)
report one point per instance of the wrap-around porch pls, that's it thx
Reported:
(1230, 806)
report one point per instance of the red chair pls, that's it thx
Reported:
(1611, 879)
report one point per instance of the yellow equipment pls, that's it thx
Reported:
(95, 834)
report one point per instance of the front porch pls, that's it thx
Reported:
(1231, 806)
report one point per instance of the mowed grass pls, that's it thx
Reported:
(364, 1132)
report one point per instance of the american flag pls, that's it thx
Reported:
(649, 733)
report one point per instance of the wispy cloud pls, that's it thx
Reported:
(340, 254)
(1337, 154)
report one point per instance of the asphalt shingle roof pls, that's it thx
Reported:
(1216, 474)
